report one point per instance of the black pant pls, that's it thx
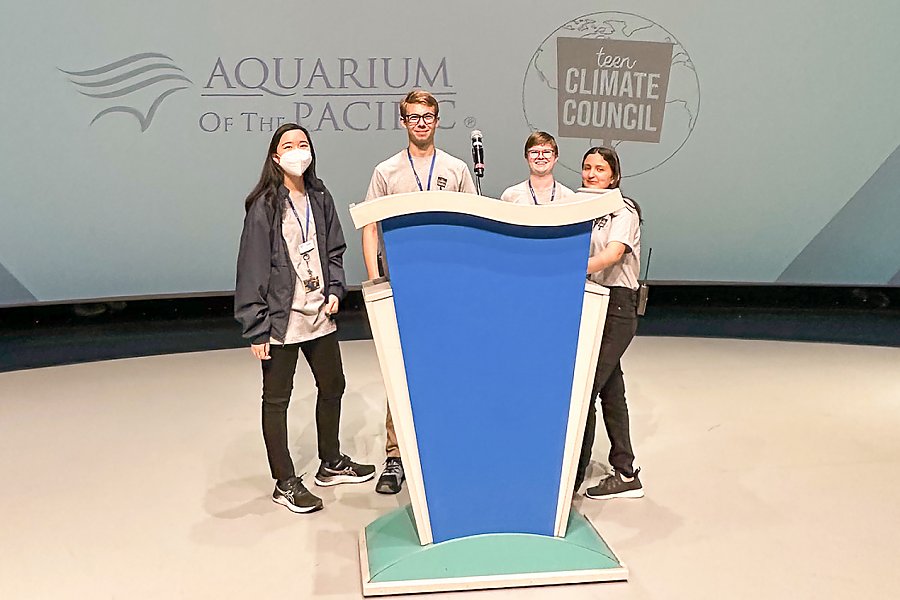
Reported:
(324, 359)
(618, 331)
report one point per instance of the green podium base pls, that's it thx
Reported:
(393, 562)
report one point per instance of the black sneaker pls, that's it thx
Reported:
(295, 497)
(392, 478)
(343, 471)
(616, 485)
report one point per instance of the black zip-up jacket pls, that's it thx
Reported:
(264, 287)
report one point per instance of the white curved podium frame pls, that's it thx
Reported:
(378, 296)
(582, 206)
(413, 549)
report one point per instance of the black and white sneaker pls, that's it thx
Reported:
(616, 485)
(293, 495)
(392, 478)
(343, 471)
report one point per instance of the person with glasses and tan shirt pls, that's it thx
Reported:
(541, 154)
(419, 167)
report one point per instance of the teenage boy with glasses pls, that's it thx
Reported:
(541, 154)
(418, 167)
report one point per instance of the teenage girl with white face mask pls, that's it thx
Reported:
(290, 280)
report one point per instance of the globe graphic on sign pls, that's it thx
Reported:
(539, 92)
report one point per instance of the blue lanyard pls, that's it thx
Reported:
(299, 222)
(534, 197)
(430, 171)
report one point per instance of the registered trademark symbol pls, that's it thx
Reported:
(470, 122)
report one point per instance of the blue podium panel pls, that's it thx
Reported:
(490, 396)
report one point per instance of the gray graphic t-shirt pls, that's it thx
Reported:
(396, 176)
(307, 320)
(621, 226)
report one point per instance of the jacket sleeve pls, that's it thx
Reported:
(253, 271)
(335, 247)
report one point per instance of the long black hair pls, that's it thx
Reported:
(612, 159)
(272, 176)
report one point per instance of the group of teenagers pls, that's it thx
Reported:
(290, 283)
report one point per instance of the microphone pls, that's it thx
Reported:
(478, 153)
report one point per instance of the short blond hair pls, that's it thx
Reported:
(419, 97)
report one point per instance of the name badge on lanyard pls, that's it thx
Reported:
(311, 281)
(307, 247)
(311, 284)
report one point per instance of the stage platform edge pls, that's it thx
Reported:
(393, 562)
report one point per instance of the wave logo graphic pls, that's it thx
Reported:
(132, 83)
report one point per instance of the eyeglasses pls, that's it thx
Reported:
(540, 153)
(427, 118)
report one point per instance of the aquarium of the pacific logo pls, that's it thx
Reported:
(250, 94)
(135, 85)
(615, 79)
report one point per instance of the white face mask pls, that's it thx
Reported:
(295, 161)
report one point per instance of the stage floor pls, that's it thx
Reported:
(770, 470)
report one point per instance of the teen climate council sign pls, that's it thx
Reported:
(612, 89)
(616, 79)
